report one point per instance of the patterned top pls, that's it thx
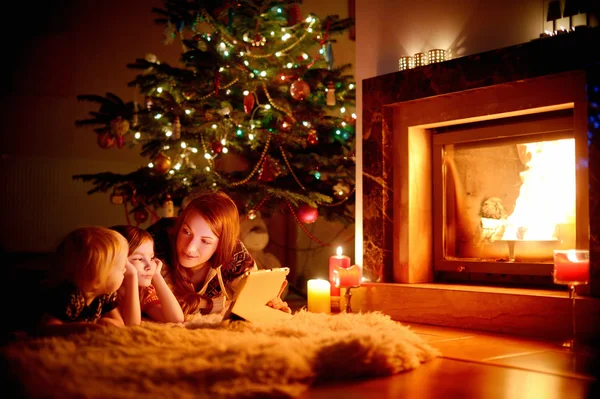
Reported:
(240, 262)
(67, 303)
(148, 297)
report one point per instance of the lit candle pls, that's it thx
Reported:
(319, 300)
(349, 277)
(338, 260)
(570, 269)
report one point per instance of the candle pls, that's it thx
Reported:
(338, 260)
(319, 300)
(349, 277)
(571, 267)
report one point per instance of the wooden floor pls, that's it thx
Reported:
(481, 365)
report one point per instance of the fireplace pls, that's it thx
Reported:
(432, 135)
(504, 195)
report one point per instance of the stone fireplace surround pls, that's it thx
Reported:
(544, 74)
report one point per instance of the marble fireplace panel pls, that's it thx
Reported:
(538, 58)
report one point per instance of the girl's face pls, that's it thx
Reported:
(117, 272)
(196, 243)
(143, 260)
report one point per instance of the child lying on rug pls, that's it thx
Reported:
(203, 256)
(145, 291)
(90, 266)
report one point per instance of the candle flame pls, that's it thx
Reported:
(339, 251)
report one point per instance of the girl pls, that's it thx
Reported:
(203, 254)
(89, 268)
(145, 291)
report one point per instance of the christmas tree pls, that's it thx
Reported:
(256, 109)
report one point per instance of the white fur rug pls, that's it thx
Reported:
(207, 360)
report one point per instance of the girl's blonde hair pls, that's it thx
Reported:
(222, 215)
(85, 257)
(134, 236)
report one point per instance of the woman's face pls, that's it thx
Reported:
(143, 260)
(196, 243)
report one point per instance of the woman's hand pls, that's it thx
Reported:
(278, 303)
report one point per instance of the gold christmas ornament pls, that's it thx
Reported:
(119, 126)
(162, 163)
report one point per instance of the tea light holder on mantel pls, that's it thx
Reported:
(405, 63)
(436, 55)
(420, 59)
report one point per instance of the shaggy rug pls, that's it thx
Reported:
(204, 359)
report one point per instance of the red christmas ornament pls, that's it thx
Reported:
(307, 214)
(312, 138)
(162, 163)
(106, 140)
(267, 172)
(140, 215)
(249, 103)
(299, 90)
(217, 147)
(294, 16)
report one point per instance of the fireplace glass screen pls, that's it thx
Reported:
(504, 200)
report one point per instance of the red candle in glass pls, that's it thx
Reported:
(349, 277)
(570, 269)
(338, 260)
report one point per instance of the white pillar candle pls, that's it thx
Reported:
(319, 298)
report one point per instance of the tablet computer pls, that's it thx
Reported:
(255, 289)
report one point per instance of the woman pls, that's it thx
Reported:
(203, 255)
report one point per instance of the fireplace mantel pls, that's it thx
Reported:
(559, 71)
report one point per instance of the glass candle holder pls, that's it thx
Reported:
(571, 268)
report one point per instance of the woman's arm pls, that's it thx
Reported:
(167, 310)
(129, 303)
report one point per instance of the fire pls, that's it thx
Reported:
(547, 195)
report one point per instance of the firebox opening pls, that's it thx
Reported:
(507, 195)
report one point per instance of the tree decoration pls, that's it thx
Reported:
(248, 103)
(294, 16)
(299, 90)
(118, 127)
(140, 215)
(255, 101)
(217, 147)
(106, 140)
(341, 190)
(189, 94)
(269, 170)
(307, 214)
(162, 163)
(330, 94)
(117, 197)
(312, 138)
(176, 128)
